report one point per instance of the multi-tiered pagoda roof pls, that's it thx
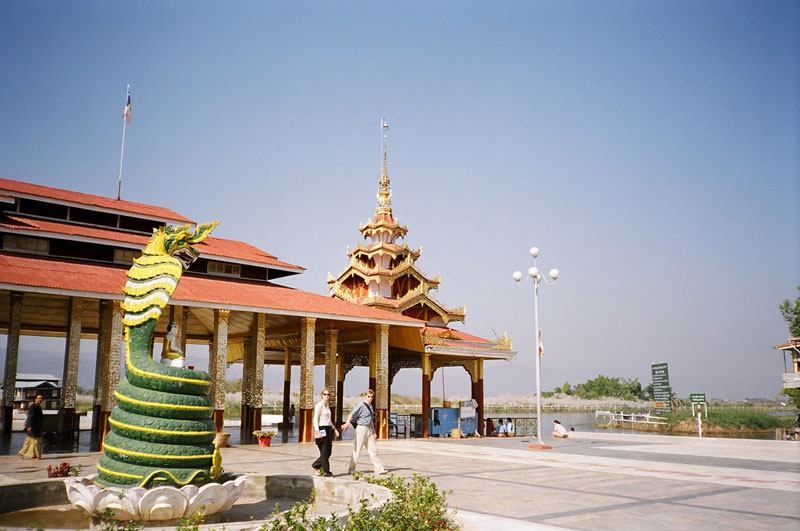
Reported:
(383, 272)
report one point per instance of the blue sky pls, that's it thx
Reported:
(649, 149)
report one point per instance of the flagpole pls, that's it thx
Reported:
(125, 118)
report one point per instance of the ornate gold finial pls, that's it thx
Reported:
(385, 190)
(503, 342)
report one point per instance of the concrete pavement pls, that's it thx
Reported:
(589, 481)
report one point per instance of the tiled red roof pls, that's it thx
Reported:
(51, 274)
(461, 336)
(212, 247)
(23, 223)
(128, 207)
(794, 342)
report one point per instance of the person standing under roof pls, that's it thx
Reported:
(323, 434)
(363, 416)
(33, 426)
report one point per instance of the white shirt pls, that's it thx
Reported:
(322, 415)
(560, 429)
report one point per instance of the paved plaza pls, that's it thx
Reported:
(589, 481)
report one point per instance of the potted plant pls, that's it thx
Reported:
(264, 437)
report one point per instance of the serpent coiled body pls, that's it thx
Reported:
(161, 428)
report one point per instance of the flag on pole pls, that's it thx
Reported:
(127, 114)
(541, 346)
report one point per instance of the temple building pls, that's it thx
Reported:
(63, 262)
(382, 273)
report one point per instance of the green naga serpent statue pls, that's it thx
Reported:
(161, 428)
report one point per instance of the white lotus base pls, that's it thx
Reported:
(156, 504)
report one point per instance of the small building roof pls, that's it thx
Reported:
(67, 197)
(27, 376)
(793, 344)
(212, 248)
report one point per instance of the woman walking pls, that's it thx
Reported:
(33, 426)
(323, 434)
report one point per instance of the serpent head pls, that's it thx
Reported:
(177, 242)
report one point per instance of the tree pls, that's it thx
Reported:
(233, 386)
(794, 396)
(604, 386)
(791, 314)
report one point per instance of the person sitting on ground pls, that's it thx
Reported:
(559, 431)
(489, 427)
(511, 429)
(501, 428)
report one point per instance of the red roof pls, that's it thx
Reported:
(793, 343)
(128, 207)
(51, 274)
(212, 247)
(461, 336)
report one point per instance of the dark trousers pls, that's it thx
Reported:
(325, 445)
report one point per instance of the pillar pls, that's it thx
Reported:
(331, 365)
(113, 359)
(306, 409)
(180, 314)
(253, 388)
(382, 379)
(477, 393)
(217, 364)
(69, 379)
(247, 375)
(287, 388)
(103, 336)
(339, 389)
(12, 358)
(372, 384)
(426, 393)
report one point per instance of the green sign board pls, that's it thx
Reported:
(697, 398)
(662, 392)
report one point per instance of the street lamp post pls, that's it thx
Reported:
(537, 277)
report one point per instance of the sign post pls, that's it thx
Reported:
(698, 401)
(662, 392)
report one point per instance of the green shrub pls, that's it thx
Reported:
(415, 505)
(744, 419)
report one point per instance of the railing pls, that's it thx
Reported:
(620, 417)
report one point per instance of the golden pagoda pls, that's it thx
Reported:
(383, 272)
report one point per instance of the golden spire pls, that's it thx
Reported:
(384, 190)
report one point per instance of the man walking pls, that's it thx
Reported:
(363, 417)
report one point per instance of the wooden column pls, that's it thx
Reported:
(247, 376)
(257, 379)
(372, 384)
(287, 388)
(339, 390)
(114, 351)
(217, 364)
(12, 359)
(180, 314)
(69, 379)
(331, 364)
(426, 393)
(382, 379)
(103, 336)
(306, 409)
(477, 393)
